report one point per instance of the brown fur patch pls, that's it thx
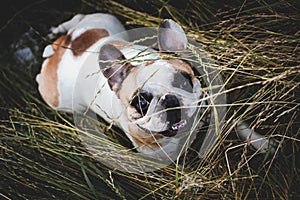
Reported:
(87, 39)
(129, 86)
(143, 139)
(149, 63)
(48, 77)
(181, 66)
(117, 43)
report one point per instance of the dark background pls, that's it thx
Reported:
(19, 16)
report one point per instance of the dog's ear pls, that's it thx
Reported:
(113, 65)
(171, 36)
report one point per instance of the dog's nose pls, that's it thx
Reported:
(170, 101)
(172, 105)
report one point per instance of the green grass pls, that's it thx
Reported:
(255, 45)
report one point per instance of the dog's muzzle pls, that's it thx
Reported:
(174, 116)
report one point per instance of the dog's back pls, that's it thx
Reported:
(65, 57)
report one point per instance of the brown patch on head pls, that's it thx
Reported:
(87, 39)
(48, 79)
(128, 87)
(181, 66)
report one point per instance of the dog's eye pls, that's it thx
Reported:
(141, 102)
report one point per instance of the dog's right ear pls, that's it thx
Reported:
(113, 65)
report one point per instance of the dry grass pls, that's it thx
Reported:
(255, 46)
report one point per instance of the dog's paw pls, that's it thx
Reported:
(65, 26)
(260, 142)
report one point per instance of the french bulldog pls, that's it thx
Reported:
(152, 98)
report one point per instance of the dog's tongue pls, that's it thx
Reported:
(174, 128)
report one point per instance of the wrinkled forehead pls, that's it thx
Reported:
(156, 77)
(162, 71)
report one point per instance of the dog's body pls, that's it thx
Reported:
(144, 99)
(151, 100)
(68, 53)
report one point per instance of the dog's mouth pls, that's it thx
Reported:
(174, 128)
(171, 131)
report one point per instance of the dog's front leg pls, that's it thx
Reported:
(260, 142)
(65, 26)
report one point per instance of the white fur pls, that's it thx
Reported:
(48, 51)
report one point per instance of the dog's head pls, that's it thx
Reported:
(159, 96)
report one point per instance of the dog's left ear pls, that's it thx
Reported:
(171, 36)
(113, 65)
